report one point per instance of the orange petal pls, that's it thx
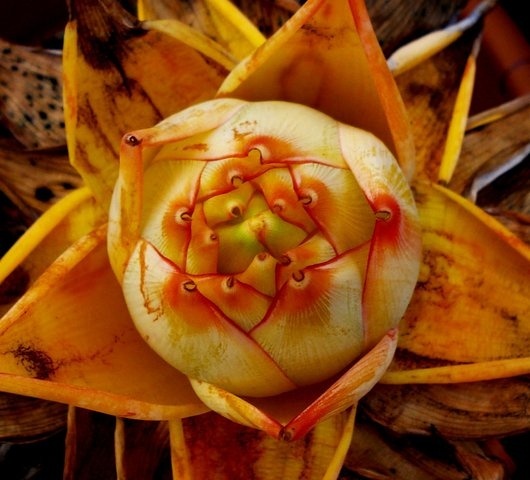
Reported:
(336, 203)
(70, 339)
(169, 191)
(235, 408)
(348, 389)
(238, 301)
(209, 446)
(472, 299)
(304, 62)
(278, 189)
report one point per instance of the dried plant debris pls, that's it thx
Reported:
(35, 180)
(267, 15)
(493, 169)
(31, 95)
(397, 23)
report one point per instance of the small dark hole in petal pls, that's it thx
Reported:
(189, 286)
(298, 276)
(306, 200)
(44, 194)
(185, 216)
(383, 215)
(132, 140)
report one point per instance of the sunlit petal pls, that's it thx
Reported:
(314, 328)
(304, 62)
(190, 332)
(70, 339)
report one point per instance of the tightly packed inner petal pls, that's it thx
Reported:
(253, 249)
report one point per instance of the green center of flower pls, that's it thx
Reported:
(245, 225)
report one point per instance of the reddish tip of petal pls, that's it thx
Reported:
(388, 219)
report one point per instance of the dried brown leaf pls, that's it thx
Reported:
(31, 95)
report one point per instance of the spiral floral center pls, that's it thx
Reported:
(247, 225)
(263, 222)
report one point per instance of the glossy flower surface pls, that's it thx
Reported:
(256, 262)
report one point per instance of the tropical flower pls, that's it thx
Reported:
(270, 247)
(265, 248)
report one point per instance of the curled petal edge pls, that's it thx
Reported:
(342, 394)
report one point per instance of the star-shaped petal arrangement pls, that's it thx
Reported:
(260, 253)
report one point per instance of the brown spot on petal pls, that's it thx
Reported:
(103, 29)
(36, 362)
(201, 147)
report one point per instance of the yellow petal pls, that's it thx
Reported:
(70, 218)
(239, 34)
(419, 50)
(314, 328)
(261, 274)
(431, 95)
(472, 300)
(59, 216)
(70, 339)
(113, 68)
(457, 126)
(218, 19)
(291, 415)
(304, 62)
